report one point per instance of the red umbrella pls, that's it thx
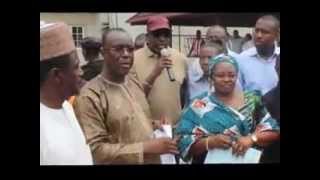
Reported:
(202, 19)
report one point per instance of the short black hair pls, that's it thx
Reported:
(56, 62)
(248, 35)
(108, 31)
(90, 43)
(272, 18)
(140, 37)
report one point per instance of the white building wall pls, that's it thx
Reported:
(92, 27)
(93, 24)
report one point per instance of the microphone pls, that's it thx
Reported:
(166, 53)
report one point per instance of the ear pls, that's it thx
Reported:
(56, 75)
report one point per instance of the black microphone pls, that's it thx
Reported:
(165, 53)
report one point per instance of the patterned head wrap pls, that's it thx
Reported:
(222, 58)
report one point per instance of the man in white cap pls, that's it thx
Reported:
(61, 139)
(258, 64)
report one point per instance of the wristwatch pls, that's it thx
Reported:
(254, 138)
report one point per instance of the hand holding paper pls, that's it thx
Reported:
(167, 132)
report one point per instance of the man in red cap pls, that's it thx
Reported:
(152, 70)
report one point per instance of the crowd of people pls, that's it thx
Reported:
(107, 111)
(235, 43)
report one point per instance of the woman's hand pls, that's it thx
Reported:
(241, 146)
(219, 141)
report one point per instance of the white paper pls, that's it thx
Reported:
(221, 156)
(184, 162)
(167, 132)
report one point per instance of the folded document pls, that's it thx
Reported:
(221, 156)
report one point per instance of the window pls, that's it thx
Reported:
(77, 34)
(105, 26)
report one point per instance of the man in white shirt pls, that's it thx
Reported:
(257, 63)
(236, 41)
(61, 139)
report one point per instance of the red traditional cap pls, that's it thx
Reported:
(157, 22)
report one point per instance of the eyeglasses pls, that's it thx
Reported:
(120, 49)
